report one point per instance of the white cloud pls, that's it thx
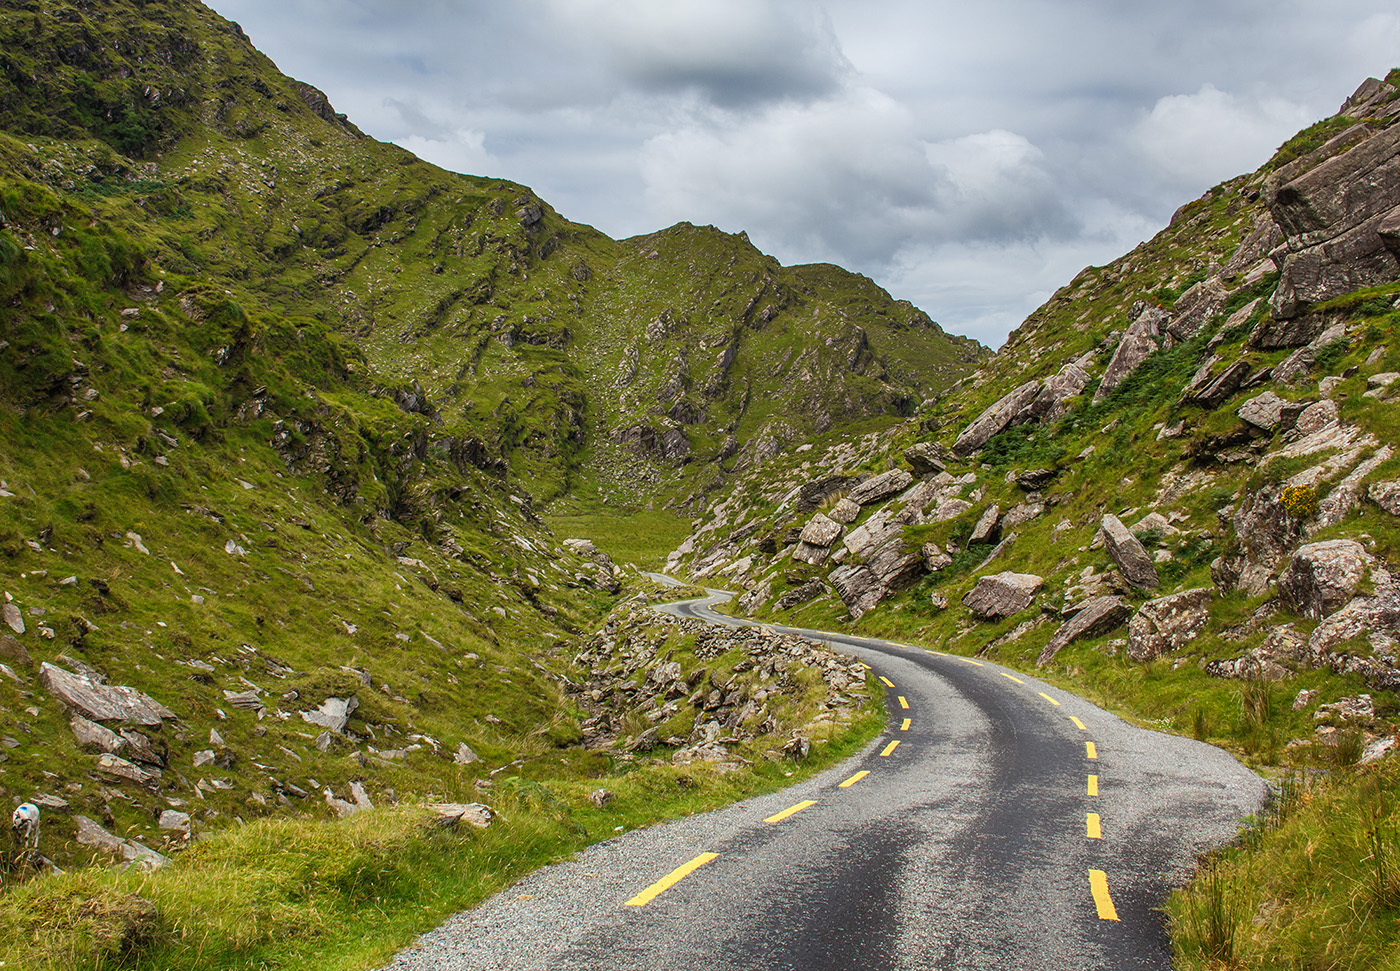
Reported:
(1197, 140)
(460, 151)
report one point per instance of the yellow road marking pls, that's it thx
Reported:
(1048, 698)
(1092, 830)
(1078, 724)
(790, 811)
(670, 880)
(1092, 751)
(1098, 884)
(854, 779)
(1093, 785)
(903, 702)
(969, 660)
(888, 682)
(866, 666)
(890, 747)
(1011, 676)
(907, 722)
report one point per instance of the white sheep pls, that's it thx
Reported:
(24, 823)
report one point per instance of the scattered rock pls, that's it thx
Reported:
(1142, 339)
(176, 822)
(92, 834)
(927, 457)
(334, 713)
(844, 512)
(986, 525)
(601, 798)
(994, 419)
(1269, 412)
(13, 617)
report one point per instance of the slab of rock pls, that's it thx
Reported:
(844, 512)
(1215, 389)
(1094, 618)
(1142, 339)
(797, 596)
(994, 419)
(1323, 577)
(1168, 624)
(880, 487)
(1269, 412)
(450, 815)
(176, 822)
(1196, 306)
(90, 735)
(1128, 554)
(102, 702)
(1316, 416)
(986, 525)
(1049, 401)
(13, 650)
(935, 558)
(926, 457)
(13, 617)
(1386, 495)
(1023, 512)
(821, 531)
(465, 755)
(1298, 365)
(1002, 594)
(334, 713)
(119, 768)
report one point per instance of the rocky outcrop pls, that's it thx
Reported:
(1322, 577)
(1095, 618)
(1128, 554)
(1268, 412)
(926, 458)
(1168, 624)
(1002, 595)
(886, 563)
(1342, 221)
(102, 702)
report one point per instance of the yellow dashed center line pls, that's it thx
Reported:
(1048, 698)
(854, 779)
(1092, 830)
(969, 661)
(1098, 885)
(1078, 724)
(903, 702)
(887, 682)
(1091, 750)
(890, 747)
(670, 880)
(1093, 785)
(1011, 676)
(905, 726)
(790, 811)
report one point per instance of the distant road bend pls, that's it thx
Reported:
(998, 823)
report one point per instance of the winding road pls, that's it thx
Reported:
(997, 823)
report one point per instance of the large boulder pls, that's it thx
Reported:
(1094, 619)
(821, 531)
(1322, 577)
(1168, 624)
(1128, 554)
(1002, 594)
(1049, 401)
(101, 702)
(1197, 306)
(994, 419)
(1269, 412)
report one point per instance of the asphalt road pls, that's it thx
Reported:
(997, 823)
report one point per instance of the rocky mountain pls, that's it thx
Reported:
(283, 404)
(1186, 454)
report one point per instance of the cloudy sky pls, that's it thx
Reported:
(969, 157)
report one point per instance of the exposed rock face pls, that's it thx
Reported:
(1128, 554)
(1002, 594)
(821, 531)
(1323, 577)
(1142, 339)
(1209, 389)
(1196, 306)
(882, 486)
(1049, 402)
(1167, 624)
(994, 419)
(797, 596)
(845, 512)
(1295, 368)
(1094, 619)
(92, 834)
(334, 713)
(102, 702)
(1341, 219)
